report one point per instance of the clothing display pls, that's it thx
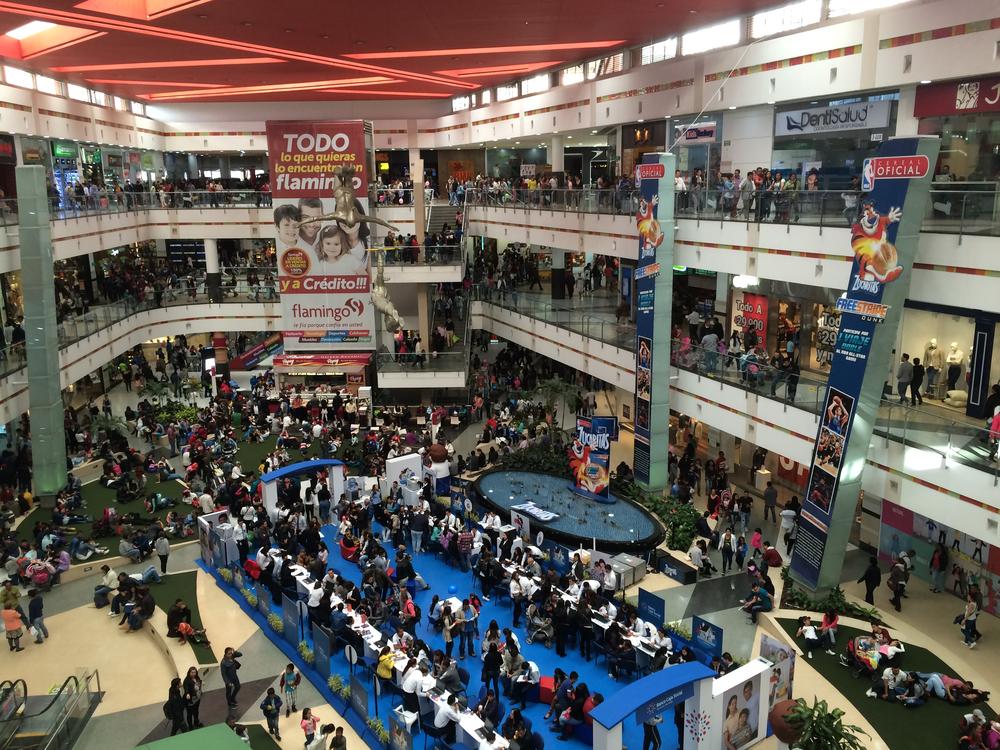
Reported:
(955, 357)
(933, 360)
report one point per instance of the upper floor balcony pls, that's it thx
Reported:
(804, 241)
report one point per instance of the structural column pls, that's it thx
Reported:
(558, 274)
(556, 154)
(419, 204)
(213, 278)
(424, 316)
(48, 438)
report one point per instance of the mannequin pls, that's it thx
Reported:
(955, 358)
(932, 361)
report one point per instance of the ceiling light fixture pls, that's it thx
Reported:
(926, 82)
(167, 64)
(732, 106)
(85, 20)
(132, 82)
(487, 50)
(30, 29)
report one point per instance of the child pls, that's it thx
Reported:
(334, 249)
(756, 541)
(741, 552)
(271, 706)
(286, 220)
(808, 632)
(290, 680)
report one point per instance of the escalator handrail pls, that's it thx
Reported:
(55, 697)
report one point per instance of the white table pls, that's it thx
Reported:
(455, 603)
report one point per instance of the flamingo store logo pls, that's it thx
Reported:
(295, 262)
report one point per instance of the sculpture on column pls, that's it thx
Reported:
(346, 213)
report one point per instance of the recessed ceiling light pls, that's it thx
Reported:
(247, 23)
(29, 29)
(359, 42)
(390, 48)
(569, 136)
(814, 102)
(640, 120)
(925, 82)
(517, 143)
(555, 132)
(771, 102)
(732, 106)
(289, 31)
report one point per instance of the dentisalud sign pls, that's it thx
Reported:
(857, 116)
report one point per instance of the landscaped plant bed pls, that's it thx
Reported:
(794, 597)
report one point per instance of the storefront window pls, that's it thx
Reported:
(943, 344)
(831, 140)
(970, 147)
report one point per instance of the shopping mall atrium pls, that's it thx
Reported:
(647, 352)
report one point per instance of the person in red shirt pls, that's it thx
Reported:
(771, 558)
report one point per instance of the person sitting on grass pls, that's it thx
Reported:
(889, 684)
(807, 631)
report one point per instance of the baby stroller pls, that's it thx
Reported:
(861, 656)
(539, 625)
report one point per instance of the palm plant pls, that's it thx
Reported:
(155, 390)
(818, 728)
(553, 393)
(108, 424)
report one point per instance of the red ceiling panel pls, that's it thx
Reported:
(305, 50)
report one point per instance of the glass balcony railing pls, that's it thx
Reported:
(450, 362)
(941, 438)
(963, 208)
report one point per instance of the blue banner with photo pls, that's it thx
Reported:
(884, 233)
(706, 636)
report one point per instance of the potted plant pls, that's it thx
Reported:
(379, 730)
(275, 622)
(226, 575)
(250, 596)
(307, 654)
(814, 727)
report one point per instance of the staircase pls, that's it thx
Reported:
(439, 215)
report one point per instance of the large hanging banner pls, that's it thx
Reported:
(654, 292)
(590, 454)
(323, 266)
(884, 239)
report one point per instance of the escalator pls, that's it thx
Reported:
(53, 721)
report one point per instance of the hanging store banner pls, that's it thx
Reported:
(654, 291)
(971, 96)
(590, 454)
(750, 314)
(884, 240)
(323, 265)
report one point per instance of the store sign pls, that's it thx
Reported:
(64, 150)
(32, 155)
(860, 116)
(8, 155)
(146, 162)
(958, 98)
(750, 314)
(528, 170)
(323, 264)
(884, 243)
(322, 360)
(590, 454)
(703, 132)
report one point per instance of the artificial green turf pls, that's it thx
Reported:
(260, 739)
(185, 586)
(932, 725)
(98, 497)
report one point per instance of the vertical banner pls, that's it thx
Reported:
(654, 292)
(323, 266)
(706, 635)
(590, 454)
(290, 618)
(884, 240)
(652, 608)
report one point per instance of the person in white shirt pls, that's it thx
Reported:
(206, 503)
(609, 610)
(807, 631)
(402, 640)
(610, 581)
(448, 716)
(412, 678)
(660, 638)
(315, 594)
(575, 589)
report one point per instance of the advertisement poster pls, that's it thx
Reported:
(590, 454)
(290, 618)
(782, 656)
(521, 524)
(750, 314)
(969, 559)
(359, 697)
(652, 608)
(741, 717)
(883, 255)
(399, 736)
(706, 635)
(323, 265)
